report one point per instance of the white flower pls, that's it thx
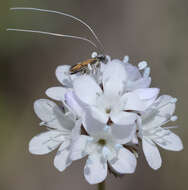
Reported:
(136, 79)
(151, 131)
(62, 130)
(103, 147)
(110, 99)
(66, 79)
(59, 93)
(73, 104)
(64, 76)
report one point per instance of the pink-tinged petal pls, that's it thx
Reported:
(79, 148)
(132, 72)
(87, 89)
(114, 78)
(123, 118)
(123, 134)
(45, 142)
(169, 140)
(73, 103)
(151, 153)
(124, 163)
(95, 170)
(57, 93)
(62, 159)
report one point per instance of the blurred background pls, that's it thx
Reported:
(155, 31)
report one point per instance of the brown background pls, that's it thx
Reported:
(152, 30)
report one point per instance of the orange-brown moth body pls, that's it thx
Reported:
(83, 66)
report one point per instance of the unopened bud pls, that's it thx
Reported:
(126, 59)
(142, 65)
(94, 54)
(174, 118)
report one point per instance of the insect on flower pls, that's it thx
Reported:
(84, 66)
(107, 112)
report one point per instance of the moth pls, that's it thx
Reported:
(83, 66)
(87, 65)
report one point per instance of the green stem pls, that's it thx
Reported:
(101, 186)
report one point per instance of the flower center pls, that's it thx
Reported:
(102, 142)
(108, 110)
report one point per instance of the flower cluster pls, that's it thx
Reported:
(105, 114)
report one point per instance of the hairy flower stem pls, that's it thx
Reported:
(101, 186)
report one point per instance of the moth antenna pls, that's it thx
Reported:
(52, 34)
(64, 14)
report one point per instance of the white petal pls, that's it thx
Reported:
(63, 75)
(140, 83)
(95, 170)
(114, 77)
(92, 125)
(123, 118)
(140, 99)
(79, 148)
(82, 109)
(151, 119)
(132, 72)
(163, 109)
(45, 110)
(62, 159)
(45, 142)
(134, 139)
(76, 131)
(151, 153)
(169, 140)
(147, 93)
(73, 103)
(133, 102)
(87, 89)
(123, 134)
(52, 115)
(98, 114)
(166, 105)
(124, 163)
(57, 93)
